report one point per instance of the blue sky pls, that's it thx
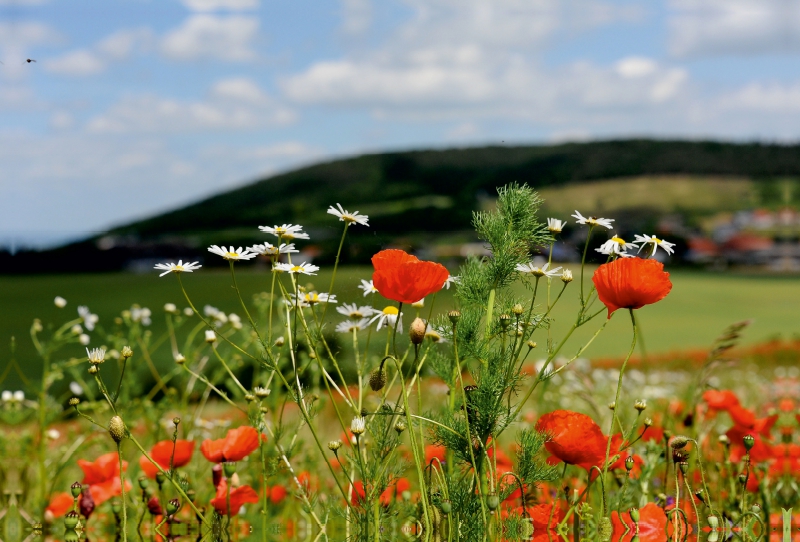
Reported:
(134, 107)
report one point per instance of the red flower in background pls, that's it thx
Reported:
(394, 491)
(652, 524)
(239, 496)
(102, 477)
(237, 444)
(631, 283)
(399, 276)
(161, 453)
(60, 504)
(720, 399)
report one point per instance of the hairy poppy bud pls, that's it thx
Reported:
(679, 442)
(75, 489)
(566, 276)
(749, 442)
(116, 428)
(71, 519)
(377, 380)
(417, 331)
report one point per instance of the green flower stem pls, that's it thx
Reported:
(489, 310)
(222, 394)
(228, 369)
(122, 488)
(336, 265)
(583, 261)
(244, 308)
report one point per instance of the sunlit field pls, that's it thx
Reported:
(496, 401)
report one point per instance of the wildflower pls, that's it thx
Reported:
(451, 280)
(351, 326)
(368, 287)
(141, 315)
(555, 225)
(60, 302)
(229, 253)
(631, 283)
(304, 268)
(656, 242)
(593, 221)
(238, 497)
(650, 526)
(60, 504)
(75, 388)
(268, 249)
(170, 308)
(418, 304)
(536, 271)
(75, 330)
(180, 359)
(435, 335)
(615, 245)
(161, 452)
(287, 231)
(566, 276)
(388, 317)
(312, 298)
(358, 425)
(354, 312)
(417, 331)
(210, 336)
(347, 216)
(237, 444)
(179, 267)
(235, 320)
(261, 392)
(89, 319)
(84, 339)
(573, 438)
(188, 311)
(96, 355)
(102, 477)
(399, 276)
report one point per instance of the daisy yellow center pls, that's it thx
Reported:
(656, 240)
(232, 254)
(280, 231)
(296, 268)
(390, 311)
(178, 268)
(356, 315)
(618, 240)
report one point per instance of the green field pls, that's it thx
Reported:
(699, 307)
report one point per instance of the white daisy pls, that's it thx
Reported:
(354, 312)
(388, 317)
(60, 302)
(418, 304)
(179, 267)
(312, 298)
(286, 231)
(368, 287)
(609, 249)
(450, 280)
(268, 249)
(358, 425)
(141, 314)
(349, 326)
(304, 268)
(615, 245)
(89, 319)
(555, 225)
(347, 216)
(656, 242)
(593, 221)
(434, 334)
(96, 355)
(230, 254)
(543, 271)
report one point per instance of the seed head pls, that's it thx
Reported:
(629, 463)
(679, 442)
(229, 468)
(377, 380)
(74, 401)
(749, 442)
(75, 489)
(173, 506)
(116, 428)
(417, 331)
(454, 316)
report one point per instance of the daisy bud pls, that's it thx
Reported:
(170, 308)
(84, 339)
(180, 359)
(417, 331)
(400, 426)
(210, 336)
(36, 327)
(116, 428)
(531, 345)
(724, 440)
(93, 370)
(74, 401)
(648, 422)
(249, 397)
(518, 309)
(312, 355)
(279, 341)
(176, 421)
(127, 352)
(679, 442)
(261, 393)
(640, 405)
(566, 276)
(454, 316)
(612, 405)
(60, 302)
(377, 380)
(334, 445)
(143, 482)
(748, 441)
(75, 489)
(358, 425)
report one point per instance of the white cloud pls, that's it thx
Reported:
(214, 5)
(765, 97)
(356, 16)
(61, 120)
(636, 66)
(232, 104)
(464, 130)
(212, 36)
(123, 43)
(733, 27)
(79, 62)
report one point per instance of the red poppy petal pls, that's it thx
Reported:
(240, 443)
(631, 283)
(212, 450)
(391, 258)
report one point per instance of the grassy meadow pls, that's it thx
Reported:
(699, 307)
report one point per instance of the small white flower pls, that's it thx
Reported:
(76, 329)
(96, 355)
(286, 231)
(656, 242)
(179, 267)
(188, 311)
(349, 326)
(75, 388)
(358, 425)
(452, 280)
(89, 319)
(555, 225)
(7, 396)
(170, 308)
(268, 249)
(60, 302)
(347, 216)
(141, 314)
(593, 221)
(304, 268)
(368, 287)
(230, 254)
(84, 339)
(19, 396)
(312, 298)
(180, 358)
(210, 336)
(52, 434)
(615, 245)
(418, 304)
(543, 271)
(354, 312)
(235, 320)
(210, 311)
(388, 317)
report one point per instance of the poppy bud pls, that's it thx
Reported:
(635, 515)
(377, 380)
(417, 331)
(75, 489)
(116, 428)
(229, 468)
(454, 316)
(71, 536)
(743, 478)
(679, 442)
(701, 495)
(684, 466)
(116, 506)
(71, 519)
(629, 463)
(160, 478)
(748, 441)
(505, 320)
(86, 504)
(446, 507)
(492, 502)
(173, 506)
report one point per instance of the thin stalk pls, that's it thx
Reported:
(122, 488)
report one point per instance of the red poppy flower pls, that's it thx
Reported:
(720, 399)
(60, 504)
(277, 493)
(102, 477)
(161, 453)
(359, 493)
(573, 438)
(399, 276)
(239, 496)
(631, 283)
(435, 450)
(652, 524)
(237, 444)
(761, 451)
(394, 491)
